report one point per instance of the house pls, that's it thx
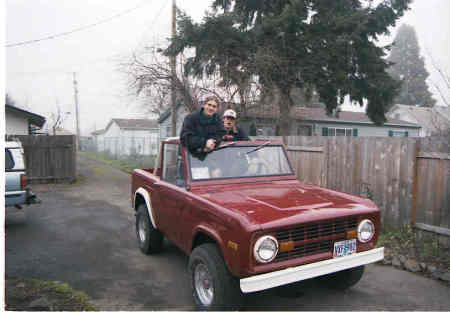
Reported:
(21, 122)
(313, 121)
(124, 137)
(434, 121)
(165, 121)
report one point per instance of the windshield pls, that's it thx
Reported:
(241, 161)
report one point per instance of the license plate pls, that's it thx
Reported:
(344, 248)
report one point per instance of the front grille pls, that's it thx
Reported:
(314, 238)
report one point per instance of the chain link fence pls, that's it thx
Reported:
(140, 151)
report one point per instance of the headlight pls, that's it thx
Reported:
(266, 249)
(366, 230)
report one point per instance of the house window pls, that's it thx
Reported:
(329, 131)
(168, 131)
(398, 133)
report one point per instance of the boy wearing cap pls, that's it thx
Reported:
(233, 132)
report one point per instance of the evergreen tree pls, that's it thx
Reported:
(326, 46)
(409, 67)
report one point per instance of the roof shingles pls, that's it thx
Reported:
(139, 124)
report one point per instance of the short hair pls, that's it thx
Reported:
(212, 98)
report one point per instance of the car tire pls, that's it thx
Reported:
(212, 284)
(150, 240)
(343, 279)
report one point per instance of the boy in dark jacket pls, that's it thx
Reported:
(202, 131)
(233, 132)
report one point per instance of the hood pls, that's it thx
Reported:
(281, 203)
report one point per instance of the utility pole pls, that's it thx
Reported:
(173, 70)
(75, 89)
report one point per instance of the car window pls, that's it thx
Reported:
(16, 160)
(9, 161)
(173, 170)
(241, 161)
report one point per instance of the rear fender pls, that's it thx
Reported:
(144, 193)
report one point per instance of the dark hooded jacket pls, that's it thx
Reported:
(240, 135)
(199, 128)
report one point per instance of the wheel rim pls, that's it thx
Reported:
(204, 284)
(142, 229)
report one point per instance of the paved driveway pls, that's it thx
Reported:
(83, 234)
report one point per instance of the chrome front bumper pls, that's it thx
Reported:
(307, 271)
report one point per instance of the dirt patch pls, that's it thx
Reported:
(25, 294)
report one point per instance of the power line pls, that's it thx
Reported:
(103, 59)
(77, 29)
(62, 68)
(158, 14)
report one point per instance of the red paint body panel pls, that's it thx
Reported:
(240, 210)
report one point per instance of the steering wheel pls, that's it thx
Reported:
(258, 167)
(262, 168)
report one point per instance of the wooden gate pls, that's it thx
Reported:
(50, 159)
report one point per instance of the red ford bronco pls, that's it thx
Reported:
(247, 224)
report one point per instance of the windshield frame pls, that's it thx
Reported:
(228, 180)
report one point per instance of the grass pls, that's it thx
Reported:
(20, 292)
(125, 164)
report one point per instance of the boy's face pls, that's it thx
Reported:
(229, 122)
(210, 107)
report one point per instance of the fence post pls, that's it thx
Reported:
(415, 184)
(74, 160)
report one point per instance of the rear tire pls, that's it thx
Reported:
(150, 240)
(212, 284)
(343, 279)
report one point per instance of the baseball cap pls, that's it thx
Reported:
(229, 113)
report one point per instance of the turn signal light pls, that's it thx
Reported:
(352, 234)
(287, 246)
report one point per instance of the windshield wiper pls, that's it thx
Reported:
(258, 148)
(224, 145)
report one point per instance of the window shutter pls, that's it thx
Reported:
(324, 131)
(406, 133)
(391, 133)
(355, 132)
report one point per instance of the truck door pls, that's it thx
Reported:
(171, 193)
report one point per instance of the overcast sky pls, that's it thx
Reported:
(39, 76)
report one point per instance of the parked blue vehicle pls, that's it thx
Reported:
(17, 191)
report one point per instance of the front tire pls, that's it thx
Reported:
(212, 284)
(343, 279)
(150, 240)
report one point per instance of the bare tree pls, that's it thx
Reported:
(440, 124)
(150, 76)
(444, 79)
(57, 118)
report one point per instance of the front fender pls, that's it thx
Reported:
(146, 195)
(229, 250)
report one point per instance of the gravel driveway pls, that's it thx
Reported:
(83, 234)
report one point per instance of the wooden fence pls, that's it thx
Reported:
(408, 178)
(49, 159)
